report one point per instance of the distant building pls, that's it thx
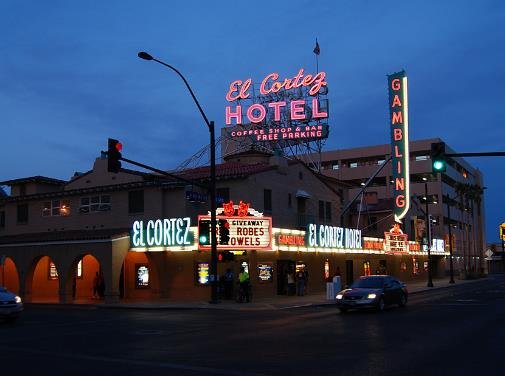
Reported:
(460, 188)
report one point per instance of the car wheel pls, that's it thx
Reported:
(380, 305)
(403, 301)
(342, 310)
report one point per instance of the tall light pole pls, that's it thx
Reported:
(428, 231)
(451, 267)
(210, 125)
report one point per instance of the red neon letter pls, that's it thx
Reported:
(318, 82)
(237, 115)
(262, 113)
(263, 90)
(397, 134)
(400, 201)
(395, 84)
(396, 101)
(397, 118)
(400, 184)
(297, 112)
(277, 109)
(315, 110)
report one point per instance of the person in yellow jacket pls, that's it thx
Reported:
(243, 279)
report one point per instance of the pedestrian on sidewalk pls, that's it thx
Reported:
(300, 283)
(243, 278)
(291, 283)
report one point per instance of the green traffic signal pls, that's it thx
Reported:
(438, 166)
(438, 158)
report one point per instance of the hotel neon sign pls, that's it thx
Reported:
(278, 93)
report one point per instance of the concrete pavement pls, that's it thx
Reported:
(273, 303)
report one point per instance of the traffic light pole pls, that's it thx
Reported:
(428, 231)
(210, 125)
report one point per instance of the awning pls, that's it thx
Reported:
(302, 194)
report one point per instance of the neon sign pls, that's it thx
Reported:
(399, 122)
(333, 237)
(282, 108)
(161, 232)
(395, 241)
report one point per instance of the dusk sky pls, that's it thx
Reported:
(70, 76)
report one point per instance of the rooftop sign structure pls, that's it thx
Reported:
(285, 109)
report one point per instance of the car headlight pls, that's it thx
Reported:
(339, 296)
(371, 296)
(17, 299)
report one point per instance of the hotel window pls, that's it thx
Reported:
(22, 213)
(334, 167)
(267, 199)
(136, 201)
(328, 211)
(223, 194)
(321, 210)
(353, 164)
(421, 158)
(95, 203)
(381, 161)
(56, 208)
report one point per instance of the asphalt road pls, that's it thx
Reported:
(454, 331)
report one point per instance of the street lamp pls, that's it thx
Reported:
(210, 125)
(451, 267)
(428, 231)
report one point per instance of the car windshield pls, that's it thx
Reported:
(368, 283)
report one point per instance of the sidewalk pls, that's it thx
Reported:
(273, 303)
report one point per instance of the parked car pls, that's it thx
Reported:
(10, 305)
(375, 291)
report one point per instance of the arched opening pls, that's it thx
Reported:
(44, 283)
(139, 279)
(83, 271)
(9, 276)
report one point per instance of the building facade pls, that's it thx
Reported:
(453, 198)
(143, 234)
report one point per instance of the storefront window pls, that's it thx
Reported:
(403, 266)
(366, 268)
(326, 270)
(142, 276)
(202, 273)
(265, 272)
(415, 266)
(53, 272)
(56, 208)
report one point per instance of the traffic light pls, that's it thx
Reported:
(438, 159)
(225, 256)
(224, 232)
(114, 156)
(204, 232)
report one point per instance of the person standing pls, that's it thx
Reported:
(243, 279)
(300, 282)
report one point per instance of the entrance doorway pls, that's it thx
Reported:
(349, 272)
(283, 267)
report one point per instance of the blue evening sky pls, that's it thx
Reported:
(70, 76)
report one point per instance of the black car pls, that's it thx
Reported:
(374, 291)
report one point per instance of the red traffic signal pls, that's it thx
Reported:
(114, 155)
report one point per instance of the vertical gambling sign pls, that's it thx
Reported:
(399, 123)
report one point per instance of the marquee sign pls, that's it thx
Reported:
(399, 123)
(282, 108)
(395, 241)
(238, 228)
(324, 236)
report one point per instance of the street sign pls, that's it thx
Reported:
(502, 231)
(489, 253)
